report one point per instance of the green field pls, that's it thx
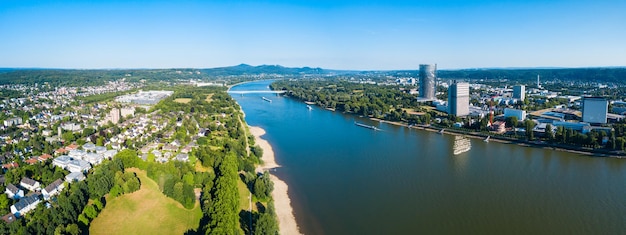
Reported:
(146, 211)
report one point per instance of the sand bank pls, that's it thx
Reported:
(286, 220)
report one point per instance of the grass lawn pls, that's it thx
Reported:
(182, 100)
(244, 197)
(146, 211)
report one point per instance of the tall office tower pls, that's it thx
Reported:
(519, 92)
(458, 99)
(427, 81)
(538, 84)
(595, 109)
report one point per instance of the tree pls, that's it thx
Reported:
(511, 121)
(266, 224)
(549, 133)
(4, 204)
(90, 212)
(72, 229)
(529, 130)
(68, 136)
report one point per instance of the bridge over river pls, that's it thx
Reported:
(256, 92)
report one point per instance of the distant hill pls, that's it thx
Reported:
(616, 74)
(244, 69)
(100, 76)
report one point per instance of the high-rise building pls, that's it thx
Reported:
(427, 81)
(595, 110)
(458, 99)
(114, 115)
(519, 92)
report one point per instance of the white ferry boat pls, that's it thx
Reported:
(461, 145)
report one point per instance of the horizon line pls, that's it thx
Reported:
(356, 70)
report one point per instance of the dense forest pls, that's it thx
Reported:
(388, 102)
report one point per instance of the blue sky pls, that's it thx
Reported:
(364, 35)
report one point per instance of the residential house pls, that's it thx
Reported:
(109, 153)
(89, 147)
(186, 149)
(14, 192)
(10, 165)
(25, 205)
(100, 149)
(93, 158)
(74, 177)
(60, 151)
(30, 184)
(77, 154)
(44, 157)
(62, 161)
(31, 161)
(71, 147)
(78, 165)
(183, 157)
(53, 189)
(170, 147)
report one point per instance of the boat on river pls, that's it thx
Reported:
(266, 99)
(487, 139)
(461, 145)
(366, 126)
(309, 107)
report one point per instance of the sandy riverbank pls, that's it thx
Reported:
(286, 220)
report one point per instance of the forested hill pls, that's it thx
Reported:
(248, 72)
(244, 69)
(75, 77)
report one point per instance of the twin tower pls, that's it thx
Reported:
(458, 93)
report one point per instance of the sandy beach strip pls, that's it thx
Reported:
(286, 220)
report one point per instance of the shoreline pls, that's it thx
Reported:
(284, 212)
(497, 139)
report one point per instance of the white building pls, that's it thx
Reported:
(93, 158)
(25, 205)
(62, 161)
(74, 177)
(13, 192)
(458, 99)
(53, 189)
(520, 114)
(78, 166)
(595, 110)
(30, 184)
(77, 154)
(13, 122)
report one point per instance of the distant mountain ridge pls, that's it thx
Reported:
(245, 69)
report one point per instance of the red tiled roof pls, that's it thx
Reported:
(31, 161)
(10, 165)
(44, 157)
(60, 150)
(72, 147)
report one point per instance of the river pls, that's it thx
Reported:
(345, 179)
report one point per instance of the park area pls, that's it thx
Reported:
(146, 211)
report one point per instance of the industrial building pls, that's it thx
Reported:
(595, 110)
(520, 114)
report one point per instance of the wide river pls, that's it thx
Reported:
(345, 179)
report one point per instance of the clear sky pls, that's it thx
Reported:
(341, 34)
